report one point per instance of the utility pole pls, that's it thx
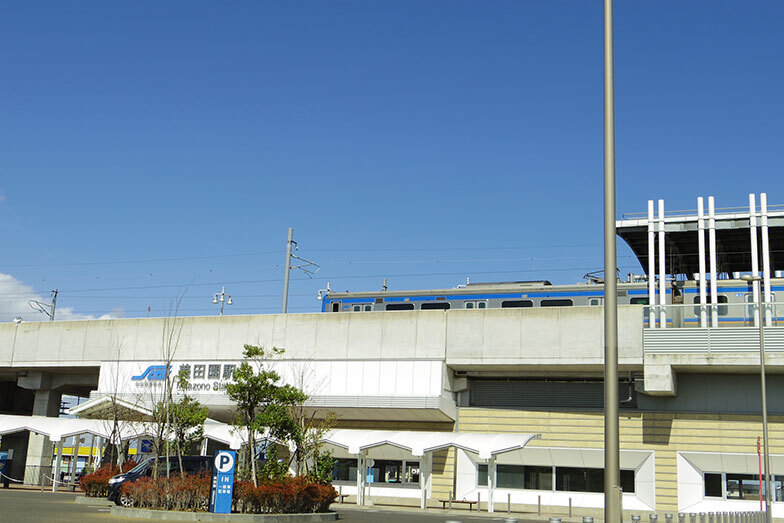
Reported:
(613, 510)
(287, 270)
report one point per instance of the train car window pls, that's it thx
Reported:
(510, 304)
(400, 306)
(362, 308)
(335, 306)
(639, 301)
(556, 303)
(723, 310)
(476, 305)
(594, 301)
(442, 305)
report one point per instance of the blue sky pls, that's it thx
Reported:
(157, 148)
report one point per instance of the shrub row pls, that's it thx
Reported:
(188, 493)
(96, 484)
(288, 495)
(191, 493)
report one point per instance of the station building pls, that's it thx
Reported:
(690, 406)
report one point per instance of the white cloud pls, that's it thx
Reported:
(14, 298)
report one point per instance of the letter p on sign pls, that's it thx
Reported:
(224, 462)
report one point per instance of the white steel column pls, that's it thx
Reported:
(203, 449)
(701, 247)
(754, 257)
(75, 457)
(766, 258)
(651, 267)
(712, 251)
(425, 473)
(662, 269)
(361, 479)
(491, 481)
(99, 457)
(56, 468)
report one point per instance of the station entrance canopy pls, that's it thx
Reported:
(365, 445)
(681, 230)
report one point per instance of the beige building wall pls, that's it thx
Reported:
(663, 433)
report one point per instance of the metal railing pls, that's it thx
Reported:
(721, 315)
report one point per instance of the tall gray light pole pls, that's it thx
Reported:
(756, 281)
(288, 270)
(613, 512)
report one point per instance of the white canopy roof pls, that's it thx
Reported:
(59, 428)
(417, 443)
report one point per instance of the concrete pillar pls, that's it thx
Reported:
(39, 448)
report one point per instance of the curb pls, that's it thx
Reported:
(173, 515)
(84, 500)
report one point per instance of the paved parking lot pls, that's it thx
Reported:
(25, 506)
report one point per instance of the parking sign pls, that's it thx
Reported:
(222, 481)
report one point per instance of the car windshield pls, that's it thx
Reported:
(141, 466)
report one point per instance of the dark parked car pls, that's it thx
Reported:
(190, 464)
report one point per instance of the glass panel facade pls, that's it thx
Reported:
(538, 478)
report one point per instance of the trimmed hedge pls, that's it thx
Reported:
(191, 493)
(96, 484)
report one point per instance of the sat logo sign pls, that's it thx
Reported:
(222, 482)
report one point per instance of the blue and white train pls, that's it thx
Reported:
(732, 294)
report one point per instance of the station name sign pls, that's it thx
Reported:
(201, 376)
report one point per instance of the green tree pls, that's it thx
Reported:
(186, 420)
(263, 403)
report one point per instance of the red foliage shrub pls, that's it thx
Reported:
(96, 484)
(286, 496)
(192, 493)
(188, 493)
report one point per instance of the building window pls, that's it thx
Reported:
(511, 304)
(557, 303)
(568, 479)
(345, 470)
(400, 306)
(538, 478)
(739, 486)
(435, 305)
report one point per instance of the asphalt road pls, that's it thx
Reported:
(20, 506)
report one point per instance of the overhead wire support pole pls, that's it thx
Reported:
(612, 488)
(287, 270)
(308, 267)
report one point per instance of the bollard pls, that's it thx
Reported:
(555, 520)
(539, 505)
(668, 518)
(702, 517)
(450, 500)
(478, 503)
(340, 493)
(681, 517)
(570, 507)
(711, 516)
(508, 503)
(587, 519)
(654, 517)
(692, 517)
(635, 518)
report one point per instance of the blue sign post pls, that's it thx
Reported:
(222, 481)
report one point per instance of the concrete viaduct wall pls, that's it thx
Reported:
(477, 338)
